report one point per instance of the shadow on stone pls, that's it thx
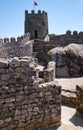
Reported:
(53, 128)
(77, 120)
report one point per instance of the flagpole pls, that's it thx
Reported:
(33, 5)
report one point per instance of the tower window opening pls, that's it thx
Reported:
(36, 35)
(43, 24)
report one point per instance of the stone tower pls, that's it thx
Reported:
(36, 24)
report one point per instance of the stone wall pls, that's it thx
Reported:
(79, 100)
(68, 98)
(67, 38)
(24, 102)
(22, 47)
(42, 47)
(49, 73)
(17, 51)
(20, 40)
(36, 24)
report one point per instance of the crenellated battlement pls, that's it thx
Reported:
(74, 33)
(33, 12)
(14, 40)
(67, 38)
(16, 47)
(36, 23)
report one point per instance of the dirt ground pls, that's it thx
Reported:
(70, 83)
(69, 120)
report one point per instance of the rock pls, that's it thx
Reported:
(14, 62)
(69, 60)
(3, 64)
(1, 122)
(9, 119)
(5, 77)
(17, 112)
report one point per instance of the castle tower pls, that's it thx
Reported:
(36, 24)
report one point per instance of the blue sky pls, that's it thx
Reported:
(63, 15)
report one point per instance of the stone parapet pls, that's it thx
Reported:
(19, 40)
(16, 50)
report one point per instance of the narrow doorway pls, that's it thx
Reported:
(36, 35)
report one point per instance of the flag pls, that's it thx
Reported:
(35, 3)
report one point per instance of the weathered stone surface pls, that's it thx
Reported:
(14, 62)
(8, 119)
(1, 122)
(68, 98)
(25, 103)
(37, 21)
(5, 77)
(79, 100)
(3, 64)
(69, 60)
(62, 71)
(49, 73)
(16, 48)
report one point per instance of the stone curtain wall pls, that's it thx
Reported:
(65, 39)
(11, 51)
(13, 41)
(24, 104)
(10, 48)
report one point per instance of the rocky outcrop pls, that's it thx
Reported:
(69, 60)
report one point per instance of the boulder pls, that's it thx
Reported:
(69, 57)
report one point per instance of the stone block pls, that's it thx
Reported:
(9, 119)
(3, 64)
(14, 62)
(5, 77)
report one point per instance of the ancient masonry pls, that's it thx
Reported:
(30, 99)
(36, 24)
(79, 100)
(10, 48)
(27, 102)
